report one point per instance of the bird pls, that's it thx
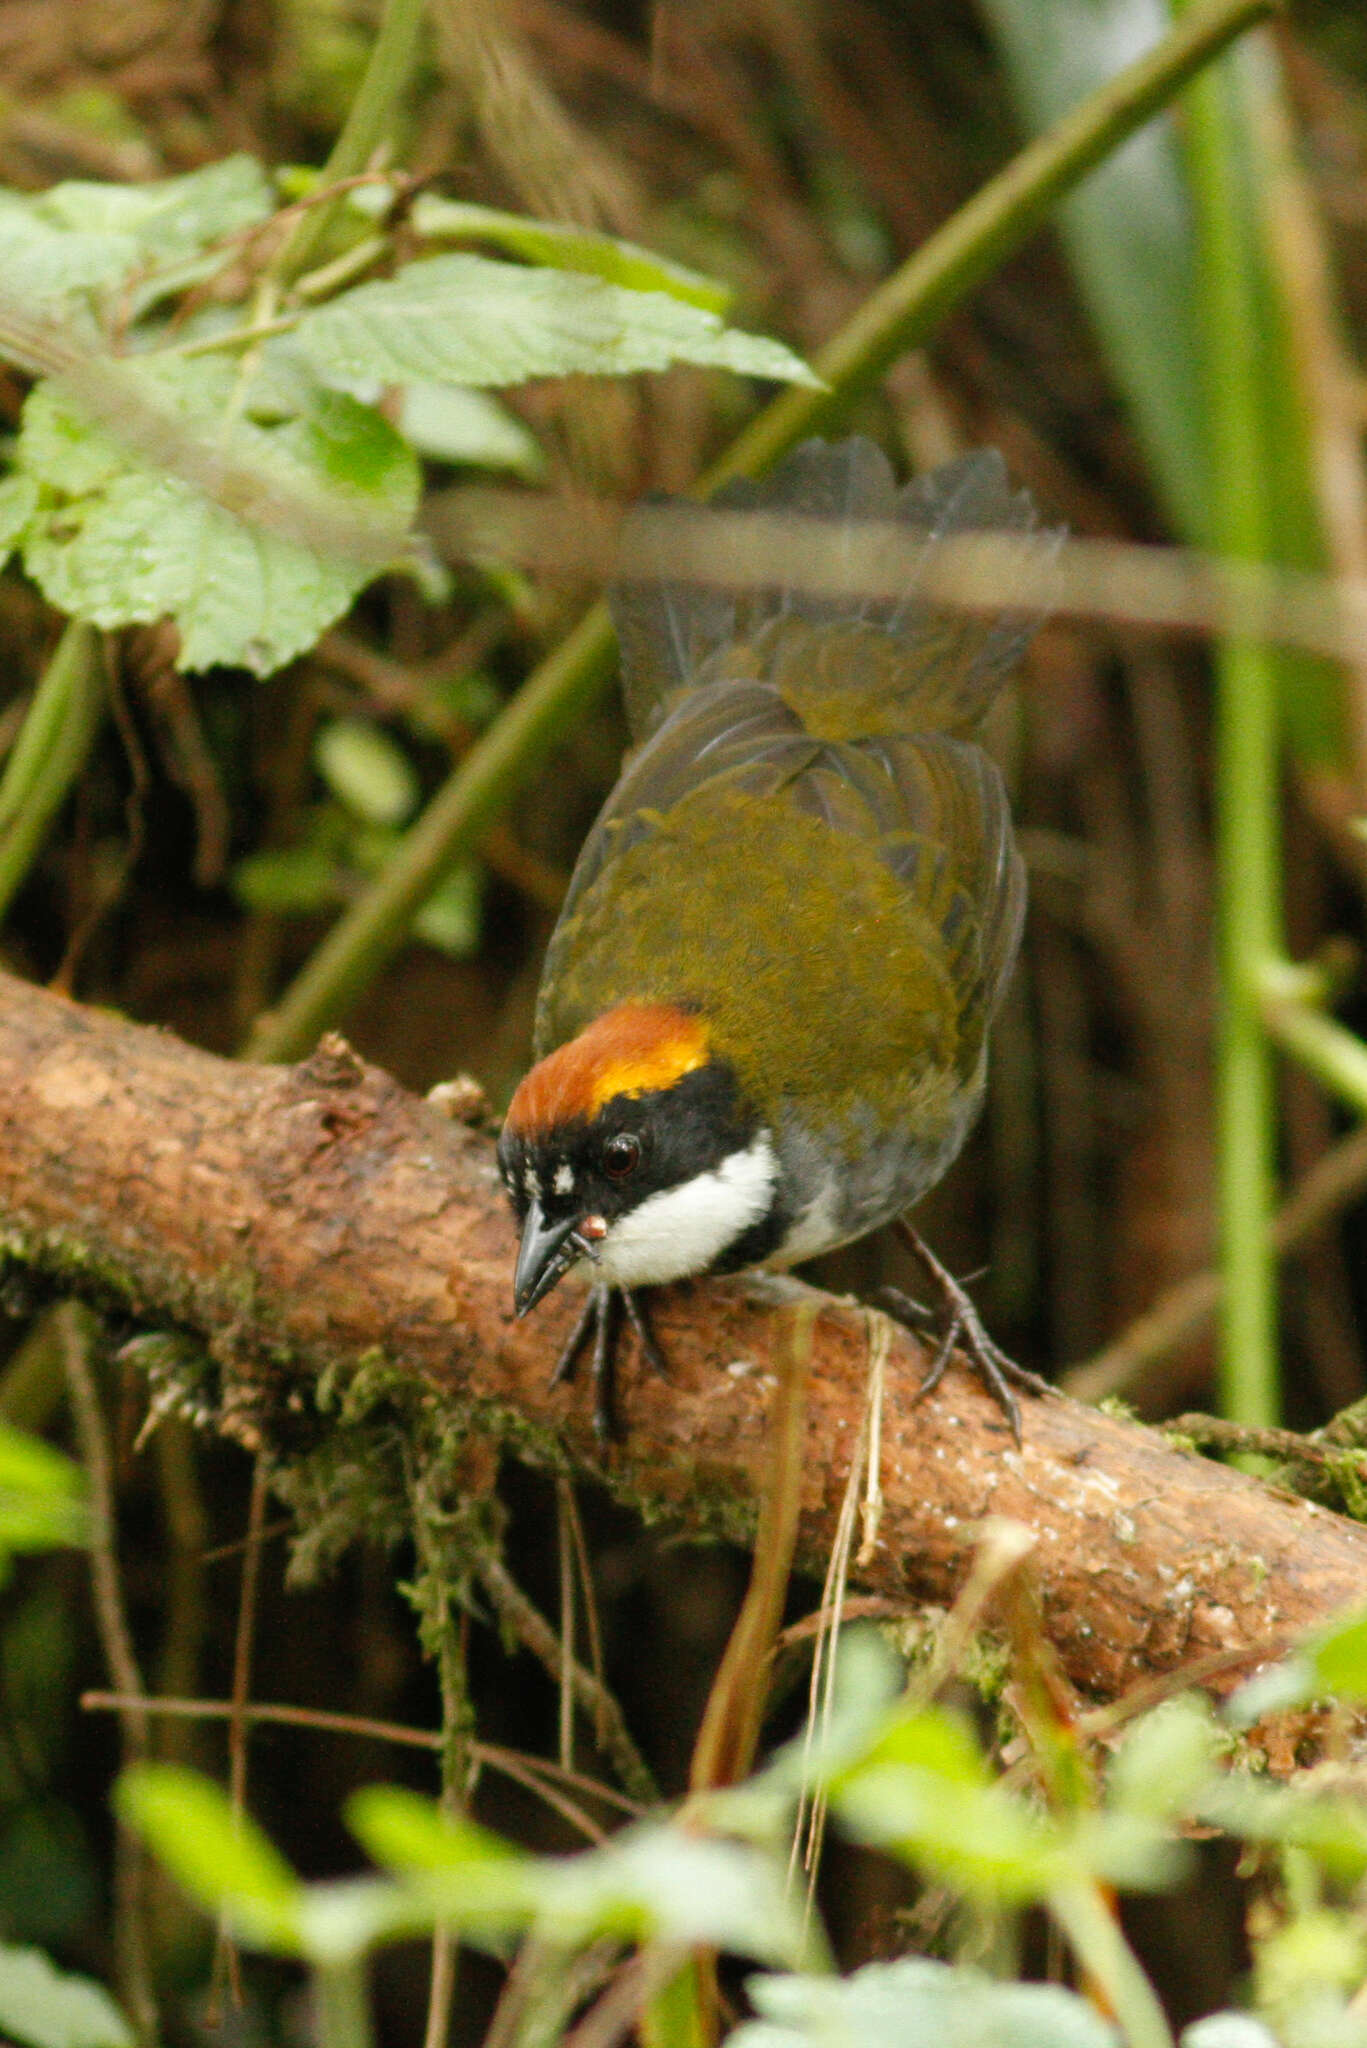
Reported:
(762, 1024)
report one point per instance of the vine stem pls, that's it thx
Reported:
(897, 317)
(369, 123)
(53, 747)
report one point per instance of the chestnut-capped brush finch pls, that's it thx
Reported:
(763, 1020)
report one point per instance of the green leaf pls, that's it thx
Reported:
(566, 248)
(18, 500)
(1338, 1656)
(451, 423)
(451, 919)
(658, 1883)
(469, 320)
(1228, 2030)
(405, 1832)
(50, 2008)
(342, 1921)
(649, 1883)
(364, 768)
(897, 2005)
(42, 265)
(220, 1858)
(1128, 229)
(1166, 1758)
(168, 218)
(288, 880)
(116, 540)
(42, 1495)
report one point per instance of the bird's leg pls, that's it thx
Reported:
(589, 1315)
(602, 1362)
(645, 1337)
(960, 1323)
(599, 1314)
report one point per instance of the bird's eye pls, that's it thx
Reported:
(621, 1155)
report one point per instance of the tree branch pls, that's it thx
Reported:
(313, 1219)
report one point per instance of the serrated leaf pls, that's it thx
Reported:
(364, 768)
(452, 423)
(895, 2005)
(219, 1857)
(118, 541)
(565, 247)
(469, 320)
(50, 2008)
(168, 218)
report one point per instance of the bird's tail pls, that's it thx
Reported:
(852, 666)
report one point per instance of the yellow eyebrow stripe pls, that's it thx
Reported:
(640, 1073)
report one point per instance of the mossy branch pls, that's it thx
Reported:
(344, 1253)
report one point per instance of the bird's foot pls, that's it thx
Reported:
(959, 1325)
(599, 1316)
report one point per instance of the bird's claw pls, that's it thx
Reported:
(960, 1326)
(599, 1314)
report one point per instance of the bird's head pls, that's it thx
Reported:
(629, 1152)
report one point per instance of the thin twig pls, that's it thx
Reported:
(536, 1634)
(75, 1326)
(1329, 1186)
(525, 1770)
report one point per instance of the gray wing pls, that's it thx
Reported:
(908, 663)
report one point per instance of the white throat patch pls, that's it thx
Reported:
(682, 1230)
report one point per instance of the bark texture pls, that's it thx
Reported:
(318, 1219)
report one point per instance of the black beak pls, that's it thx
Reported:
(547, 1252)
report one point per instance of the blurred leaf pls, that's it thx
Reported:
(117, 542)
(904, 2004)
(451, 423)
(364, 767)
(1228, 2030)
(403, 1831)
(1167, 1756)
(654, 1882)
(18, 498)
(1330, 1828)
(1338, 1656)
(220, 1858)
(50, 2008)
(292, 881)
(167, 218)
(1289, 1684)
(566, 248)
(42, 1495)
(1128, 229)
(452, 917)
(341, 1922)
(469, 320)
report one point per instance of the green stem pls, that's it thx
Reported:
(50, 752)
(899, 316)
(1094, 1935)
(369, 122)
(1335, 1056)
(1247, 788)
(342, 2016)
